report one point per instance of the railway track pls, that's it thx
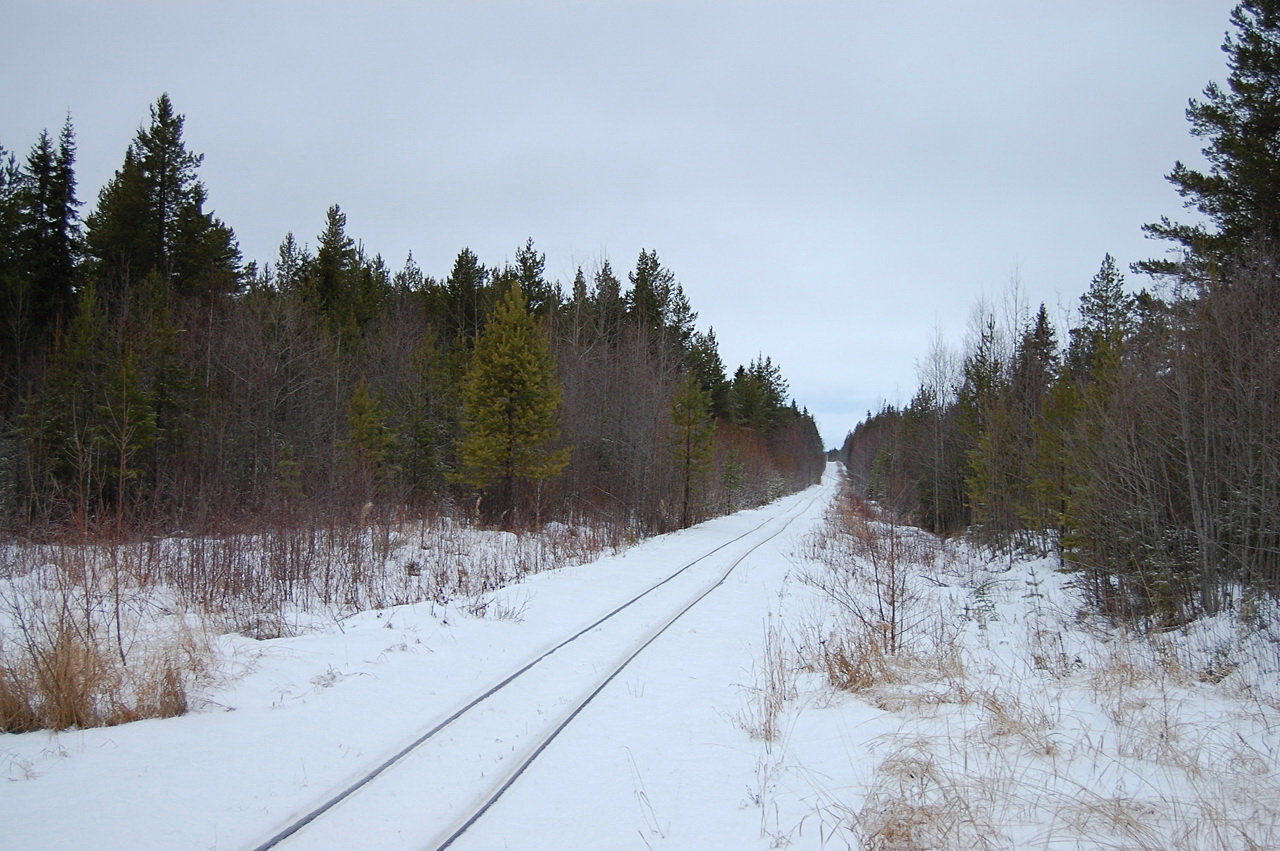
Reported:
(381, 804)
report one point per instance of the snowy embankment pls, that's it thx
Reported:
(978, 708)
(293, 720)
(1006, 715)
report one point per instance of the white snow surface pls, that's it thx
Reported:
(669, 753)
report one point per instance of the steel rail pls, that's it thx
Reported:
(520, 769)
(298, 824)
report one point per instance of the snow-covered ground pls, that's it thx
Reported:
(1011, 717)
(1006, 721)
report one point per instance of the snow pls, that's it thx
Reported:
(1019, 722)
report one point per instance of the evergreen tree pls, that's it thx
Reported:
(334, 267)
(692, 430)
(151, 216)
(410, 278)
(1035, 368)
(61, 427)
(1107, 318)
(126, 431)
(610, 304)
(465, 295)
(294, 266)
(13, 294)
(659, 305)
(985, 425)
(706, 365)
(510, 403)
(50, 239)
(758, 395)
(1240, 194)
(579, 295)
(370, 445)
(649, 298)
(544, 298)
(40, 237)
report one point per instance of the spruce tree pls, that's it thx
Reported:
(50, 239)
(12, 287)
(511, 401)
(705, 363)
(650, 296)
(465, 294)
(334, 266)
(610, 304)
(61, 425)
(126, 431)
(294, 266)
(1107, 318)
(544, 298)
(151, 217)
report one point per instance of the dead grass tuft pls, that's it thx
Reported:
(916, 805)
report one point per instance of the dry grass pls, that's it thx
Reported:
(68, 661)
(774, 684)
(99, 631)
(1016, 724)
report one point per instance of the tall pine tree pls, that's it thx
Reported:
(1240, 193)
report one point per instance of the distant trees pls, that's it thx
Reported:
(40, 245)
(152, 381)
(1147, 451)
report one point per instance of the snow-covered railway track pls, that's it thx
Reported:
(387, 800)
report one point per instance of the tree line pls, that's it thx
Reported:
(1144, 444)
(151, 379)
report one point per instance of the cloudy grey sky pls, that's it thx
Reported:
(832, 182)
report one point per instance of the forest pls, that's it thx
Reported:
(152, 380)
(1142, 443)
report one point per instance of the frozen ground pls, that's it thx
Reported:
(1006, 720)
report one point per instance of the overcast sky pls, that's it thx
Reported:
(832, 182)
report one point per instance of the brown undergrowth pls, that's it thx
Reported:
(101, 629)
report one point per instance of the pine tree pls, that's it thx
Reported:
(1240, 194)
(510, 403)
(692, 430)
